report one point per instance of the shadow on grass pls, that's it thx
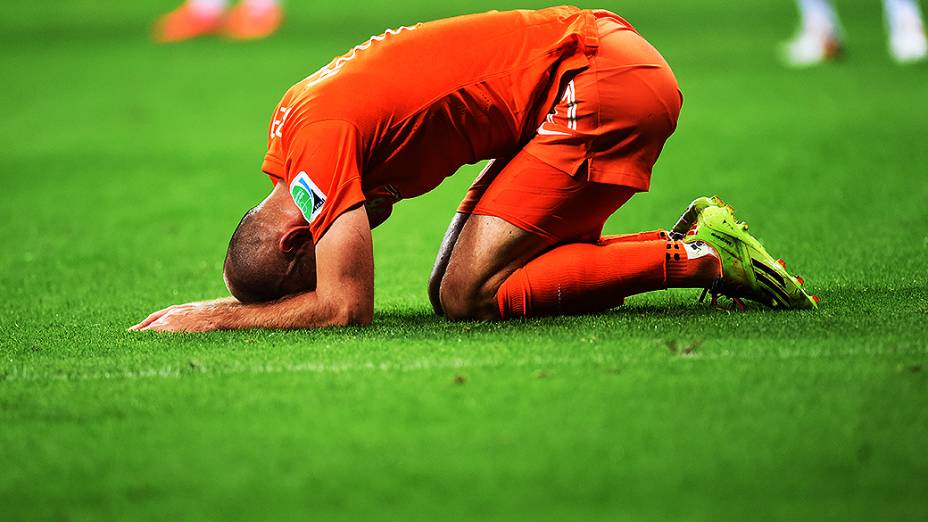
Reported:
(845, 311)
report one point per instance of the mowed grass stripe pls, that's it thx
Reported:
(598, 359)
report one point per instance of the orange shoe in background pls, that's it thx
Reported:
(185, 23)
(250, 22)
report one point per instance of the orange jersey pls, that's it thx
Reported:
(404, 110)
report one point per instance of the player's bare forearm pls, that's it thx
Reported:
(307, 310)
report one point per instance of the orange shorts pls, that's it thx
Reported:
(540, 199)
(594, 149)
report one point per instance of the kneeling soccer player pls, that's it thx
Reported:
(573, 106)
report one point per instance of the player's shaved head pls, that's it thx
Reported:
(266, 260)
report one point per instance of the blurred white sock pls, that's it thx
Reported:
(818, 17)
(208, 7)
(907, 42)
(903, 15)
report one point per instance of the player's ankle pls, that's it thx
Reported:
(691, 265)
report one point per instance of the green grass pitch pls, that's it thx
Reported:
(125, 167)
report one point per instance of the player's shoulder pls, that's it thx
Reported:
(319, 107)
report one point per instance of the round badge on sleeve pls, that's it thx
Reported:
(307, 196)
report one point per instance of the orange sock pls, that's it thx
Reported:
(583, 278)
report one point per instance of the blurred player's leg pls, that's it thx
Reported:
(907, 42)
(192, 19)
(818, 39)
(253, 19)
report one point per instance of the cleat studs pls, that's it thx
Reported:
(781, 263)
(739, 304)
(801, 280)
(816, 299)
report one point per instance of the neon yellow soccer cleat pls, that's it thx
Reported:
(688, 220)
(748, 271)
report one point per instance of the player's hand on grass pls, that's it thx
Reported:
(202, 316)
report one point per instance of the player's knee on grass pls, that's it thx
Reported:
(465, 298)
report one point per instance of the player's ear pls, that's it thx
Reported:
(294, 238)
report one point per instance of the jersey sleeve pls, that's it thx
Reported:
(320, 163)
(274, 164)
